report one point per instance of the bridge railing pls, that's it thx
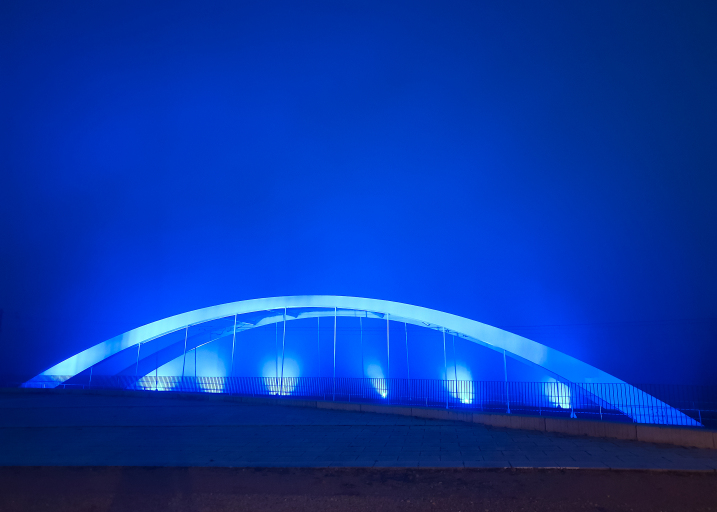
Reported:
(606, 402)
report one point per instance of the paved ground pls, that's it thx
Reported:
(65, 429)
(76, 489)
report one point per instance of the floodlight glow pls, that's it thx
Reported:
(277, 383)
(462, 387)
(375, 372)
(557, 393)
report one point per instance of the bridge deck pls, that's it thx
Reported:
(70, 429)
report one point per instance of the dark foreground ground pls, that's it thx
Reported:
(60, 489)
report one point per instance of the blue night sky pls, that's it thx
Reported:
(545, 167)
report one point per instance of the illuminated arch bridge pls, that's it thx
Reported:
(356, 349)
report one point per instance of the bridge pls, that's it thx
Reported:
(150, 357)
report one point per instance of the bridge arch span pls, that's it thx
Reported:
(567, 367)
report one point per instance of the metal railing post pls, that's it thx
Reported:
(505, 370)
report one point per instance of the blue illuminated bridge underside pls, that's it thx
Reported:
(151, 346)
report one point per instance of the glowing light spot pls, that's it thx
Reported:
(462, 390)
(276, 385)
(557, 393)
(210, 385)
(378, 381)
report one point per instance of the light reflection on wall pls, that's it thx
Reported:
(280, 383)
(462, 388)
(374, 371)
(171, 369)
(557, 393)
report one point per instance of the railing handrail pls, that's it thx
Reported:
(553, 398)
